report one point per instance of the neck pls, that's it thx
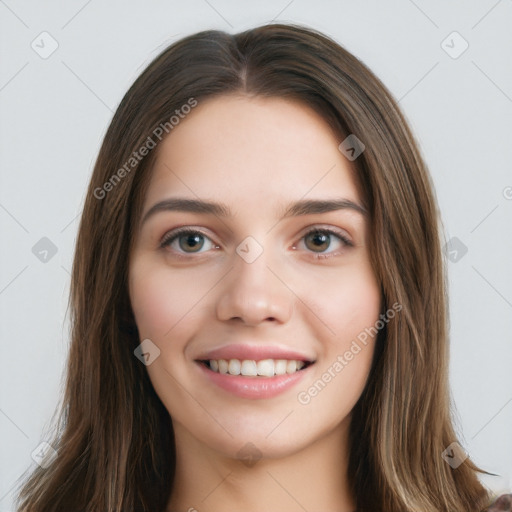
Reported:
(313, 478)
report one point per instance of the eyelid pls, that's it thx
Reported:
(172, 235)
(346, 242)
(344, 238)
(327, 228)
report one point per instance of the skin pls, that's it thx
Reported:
(256, 155)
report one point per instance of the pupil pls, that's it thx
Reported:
(320, 240)
(191, 241)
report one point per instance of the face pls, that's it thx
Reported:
(271, 275)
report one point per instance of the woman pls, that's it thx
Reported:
(258, 297)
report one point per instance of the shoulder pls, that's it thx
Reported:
(501, 504)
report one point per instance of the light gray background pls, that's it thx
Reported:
(54, 113)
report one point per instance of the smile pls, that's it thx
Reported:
(252, 368)
(242, 377)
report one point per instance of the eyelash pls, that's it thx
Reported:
(173, 235)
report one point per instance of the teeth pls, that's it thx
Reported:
(280, 367)
(223, 366)
(251, 368)
(291, 366)
(266, 367)
(234, 367)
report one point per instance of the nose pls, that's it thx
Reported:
(254, 293)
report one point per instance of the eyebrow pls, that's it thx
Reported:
(302, 207)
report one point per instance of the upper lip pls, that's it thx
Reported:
(253, 352)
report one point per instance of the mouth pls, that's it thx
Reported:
(254, 378)
(250, 368)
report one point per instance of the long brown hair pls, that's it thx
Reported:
(114, 438)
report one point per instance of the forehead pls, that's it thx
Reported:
(253, 150)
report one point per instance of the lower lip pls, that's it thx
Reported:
(254, 387)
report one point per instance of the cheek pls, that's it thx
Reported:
(358, 305)
(150, 298)
(161, 299)
(346, 301)
(349, 305)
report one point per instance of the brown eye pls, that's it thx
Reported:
(325, 242)
(318, 241)
(191, 242)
